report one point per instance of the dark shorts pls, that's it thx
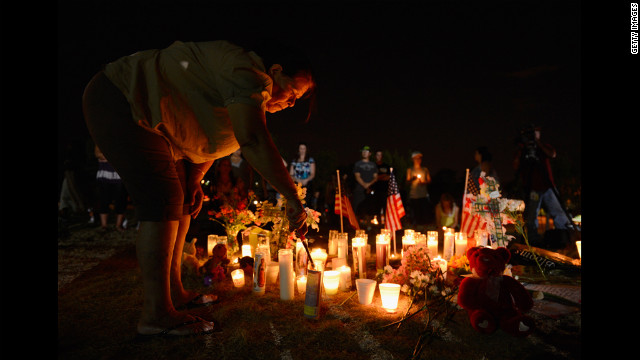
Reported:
(154, 181)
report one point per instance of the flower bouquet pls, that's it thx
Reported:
(235, 216)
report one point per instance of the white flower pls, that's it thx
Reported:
(404, 288)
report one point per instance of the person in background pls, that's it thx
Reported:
(447, 212)
(110, 190)
(484, 161)
(303, 170)
(419, 204)
(241, 169)
(365, 173)
(532, 164)
(162, 117)
(381, 186)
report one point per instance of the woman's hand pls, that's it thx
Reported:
(297, 217)
(196, 197)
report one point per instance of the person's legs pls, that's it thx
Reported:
(555, 210)
(144, 162)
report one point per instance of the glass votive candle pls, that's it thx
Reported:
(238, 277)
(301, 281)
(246, 250)
(432, 243)
(389, 294)
(331, 281)
(345, 278)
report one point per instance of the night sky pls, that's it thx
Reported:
(442, 78)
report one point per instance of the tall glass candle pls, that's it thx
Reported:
(447, 251)
(319, 257)
(333, 242)
(359, 256)
(246, 250)
(302, 259)
(211, 242)
(345, 278)
(331, 281)
(421, 240)
(461, 243)
(285, 259)
(432, 243)
(343, 245)
(407, 240)
(382, 251)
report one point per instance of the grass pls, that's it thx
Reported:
(98, 311)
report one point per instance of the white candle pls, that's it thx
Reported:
(359, 258)
(285, 260)
(447, 251)
(389, 294)
(461, 243)
(302, 284)
(579, 246)
(333, 242)
(246, 250)
(407, 240)
(238, 277)
(432, 243)
(319, 257)
(337, 262)
(442, 263)
(421, 240)
(343, 245)
(331, 281)
(211, 242)
(345, 278)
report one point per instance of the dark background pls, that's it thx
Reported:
(440, 77)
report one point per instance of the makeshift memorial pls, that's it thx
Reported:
(492, 299)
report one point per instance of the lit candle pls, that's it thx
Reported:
(319, 257)
(359, 257)
(442, 263)
(432, 243)
(273, 268)
(382, 251)
(331, 281)
(333, 242)
(389, 294)
(302, 284)
(238, 277)
(246, 250)
(285, 260)
(579, 246)
(337, 262)
(421, 240)
(345, 278)
(461, 243)
(407, 240)
(447, 251)
(343, 246)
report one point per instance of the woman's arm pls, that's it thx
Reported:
(249, 126)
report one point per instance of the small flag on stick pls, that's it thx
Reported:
(395, 209)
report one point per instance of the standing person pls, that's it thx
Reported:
(381, 186)
(447, 212)
(303, 171)
(241, 169)
(418, 177)
(532, 164)
(162, 117)
(484, 161)
(365, 172)
(111, 190)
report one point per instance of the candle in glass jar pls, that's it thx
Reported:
(382, 251)
(407, 240)
(238, 277)
(333, 242)
(432, 243)
(302, 284)
(246, 250)
(211, 242)
(442, 263)
(461, 243)
(359, 257)
(343, 246)
(447, 251)
(319, 257)
(285, 260)
(331, 281)
(345, 278)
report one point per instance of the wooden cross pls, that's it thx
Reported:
(493, 208)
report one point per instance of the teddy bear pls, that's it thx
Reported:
(216, 266)
(493, 299)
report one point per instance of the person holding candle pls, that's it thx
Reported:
(419, 204)
(447, 212)
(161, 117)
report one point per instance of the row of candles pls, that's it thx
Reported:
(340, 277)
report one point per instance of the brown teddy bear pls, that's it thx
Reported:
(492, 299)
(217, 263)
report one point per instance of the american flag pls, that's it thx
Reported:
(471, 223)
(395, 209)
(346, 210)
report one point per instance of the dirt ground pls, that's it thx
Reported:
(99, 299)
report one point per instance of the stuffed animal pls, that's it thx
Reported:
(217, 260)
(492, 299)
